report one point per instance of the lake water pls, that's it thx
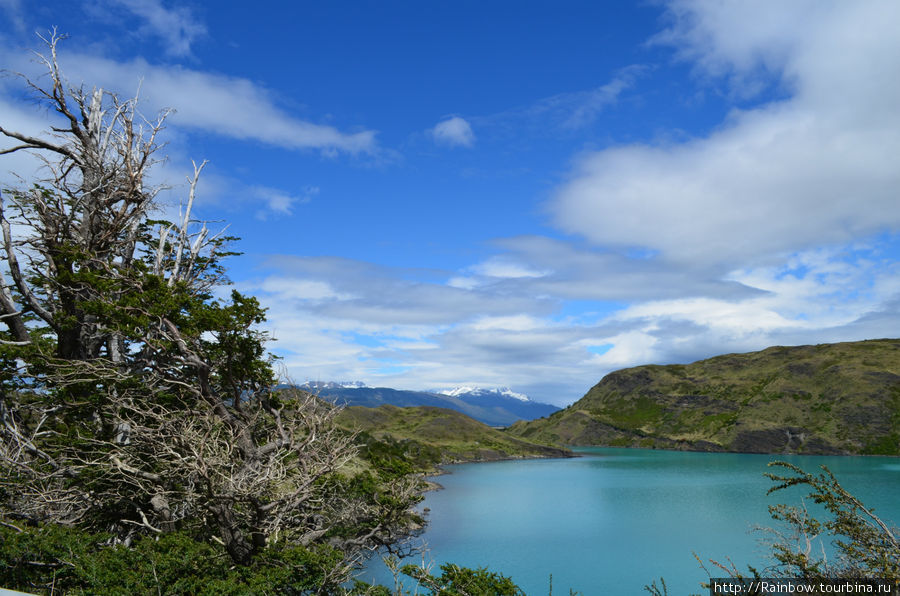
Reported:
(614, 520)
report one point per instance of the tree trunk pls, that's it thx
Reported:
(238, 547)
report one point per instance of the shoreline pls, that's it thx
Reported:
(440, 471)
(735, 452)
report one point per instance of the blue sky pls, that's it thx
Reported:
(522, 194)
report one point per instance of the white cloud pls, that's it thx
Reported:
(627, 349)
(508, 323)
(462, 282)
(278, 202)
(219, 191)
(581, 108)
(226, 106)
(301, 289)
(742, 239)
(817, 296)
(23, 163)
(738, 240)
(396, 296)
(581, 272)
(586, 106)
(504, 268)
(177, 27)
(818, 168)
(751, 316)
(564, 112)
(454, 132)
(499, 333)
(745, 42)
(435, 334)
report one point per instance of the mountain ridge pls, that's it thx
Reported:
(476, 391)
(841, 398)
(488, 406)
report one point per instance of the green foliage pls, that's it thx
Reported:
(636, 413)
(657, 590)
(392, 457)
(384, 501)
(56, 559)
(888, 445)
(867, 547)
(462, 581)
(59, 559)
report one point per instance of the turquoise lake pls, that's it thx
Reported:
(614, 520)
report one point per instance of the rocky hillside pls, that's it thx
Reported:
(826, 399)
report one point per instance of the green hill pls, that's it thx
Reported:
(826, 399)
(434, 436)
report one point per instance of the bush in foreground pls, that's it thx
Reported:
(866, 547)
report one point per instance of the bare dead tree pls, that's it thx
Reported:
(183, 469)
(90, 203)
(144, 405)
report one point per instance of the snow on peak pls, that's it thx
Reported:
(458, 390)
(335, 384)
(481, 391)
(352, 384)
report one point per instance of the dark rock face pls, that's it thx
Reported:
(801, 369)
(880, 376)
(871, 417)
(627, 380)
(709, 403)
(594, 432)
(773, 440)
(706, 446)
(781, 440)
(817, 446)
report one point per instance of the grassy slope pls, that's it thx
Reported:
(440, 435)
(830, 398)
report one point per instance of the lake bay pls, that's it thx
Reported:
(614, 520)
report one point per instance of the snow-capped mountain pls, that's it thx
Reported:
(495, 407)
(502, 399)
(468, 390)
(313, 385)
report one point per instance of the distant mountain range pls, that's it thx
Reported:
(482, 393)
(494, 407)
